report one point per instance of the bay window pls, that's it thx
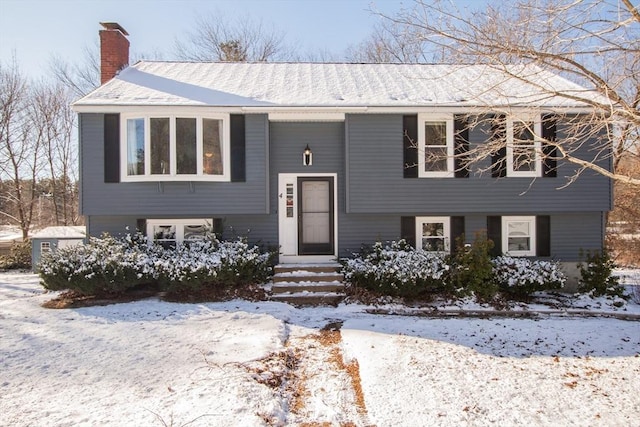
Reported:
(176, 148)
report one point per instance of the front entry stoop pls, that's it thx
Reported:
(308, 284)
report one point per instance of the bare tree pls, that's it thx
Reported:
(593, 43)
(218, 38)
(53, 122)
(19, 149)
(79, 77)
(389, 43)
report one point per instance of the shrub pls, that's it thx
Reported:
(108, 265)
(520, 277)
(471, 270)
(104, 266)
(596, 277)
(396, 269)
(19, 256)
(211, 263)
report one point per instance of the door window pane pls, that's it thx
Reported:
(212, 152)
(135, 147)
(186, 146)
(160, 145)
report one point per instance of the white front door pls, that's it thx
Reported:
(307, 217)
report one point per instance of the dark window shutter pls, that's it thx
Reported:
(457, 230)
(494, 233)
(460, 146)
(217, 227)
(543, 235)
(112, 148)
(499, 157)
(410, 138)
(408, 229)
(238, 149)
(141, 225)
(549, 164)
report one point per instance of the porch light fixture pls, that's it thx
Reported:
(307, 156)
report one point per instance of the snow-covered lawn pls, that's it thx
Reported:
(153, 363)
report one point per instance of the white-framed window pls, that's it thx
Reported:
(170, 232)
(524, 146)
(165, 147)
(45, 247)
(519, 235)
(432, 233)
(435, 146)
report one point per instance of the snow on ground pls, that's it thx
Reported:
(238, 363)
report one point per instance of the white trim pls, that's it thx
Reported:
(446, 230)
(288, 227)
(306, 116)
(356, 109)
(146, 115)
(425, 118)
(532, 235)
(45, 247)
(537, 145)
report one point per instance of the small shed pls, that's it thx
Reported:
(51, 238)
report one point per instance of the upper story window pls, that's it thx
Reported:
(435, 146)
(524, 147)
(519, 235)
(175, 148)
(432, 233)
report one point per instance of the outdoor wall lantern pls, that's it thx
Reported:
(307, 156)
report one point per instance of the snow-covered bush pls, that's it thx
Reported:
(520, 277)
(211, 263)
(111, 265)
(101, 267)
(396, 269)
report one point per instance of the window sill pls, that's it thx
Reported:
(176, 178)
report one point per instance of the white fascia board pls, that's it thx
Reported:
(329, 113)
(153, 109)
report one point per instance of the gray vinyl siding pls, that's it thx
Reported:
(288, 140)
(194, 199)
(366, 153)
(570, 232)
(376, 183)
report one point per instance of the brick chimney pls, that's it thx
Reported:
(114, 50)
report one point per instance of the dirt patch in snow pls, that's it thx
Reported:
(72, 299)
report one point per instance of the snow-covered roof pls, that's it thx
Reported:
(275, 85)
(61, 232)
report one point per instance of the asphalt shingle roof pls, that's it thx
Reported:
(150, 83)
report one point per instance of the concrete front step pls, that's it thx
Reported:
(297, 287)
(308, 284)
(307, 276)
(309, 298)
(331, 267)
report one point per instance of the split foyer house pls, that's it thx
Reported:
(320, 158)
